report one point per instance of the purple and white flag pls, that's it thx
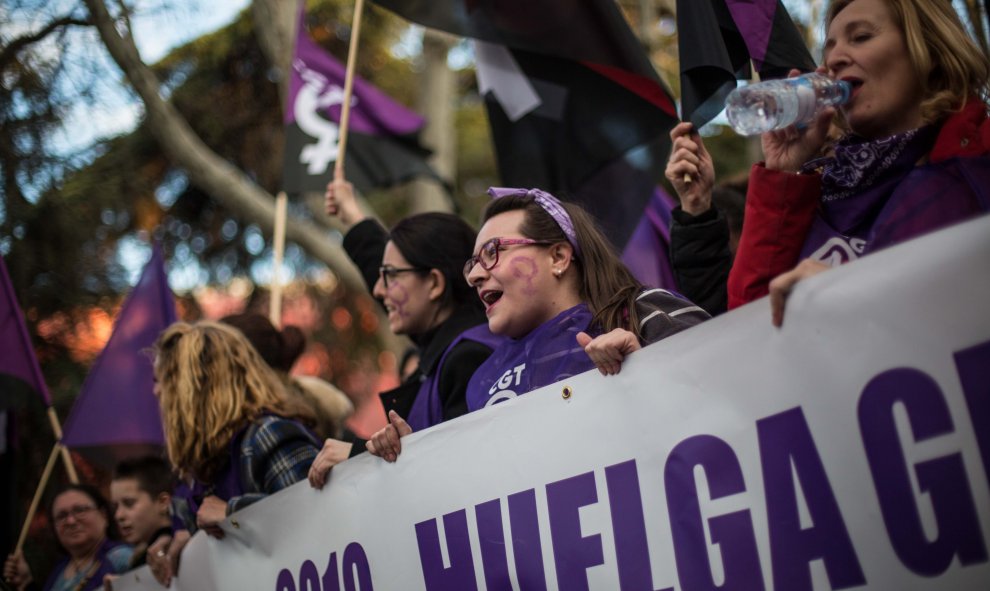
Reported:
(382, 147)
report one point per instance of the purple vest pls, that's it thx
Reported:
(427, 409)
(546, 355)
(927, 198)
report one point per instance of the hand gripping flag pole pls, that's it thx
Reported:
(281, 203)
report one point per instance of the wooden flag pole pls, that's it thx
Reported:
(345, 111)
(37, 496)
(275, 306)
(66, 458)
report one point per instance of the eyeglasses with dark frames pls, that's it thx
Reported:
(76, 512)
(388, 272)
(487, 255)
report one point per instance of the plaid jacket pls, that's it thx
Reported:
(275, 453)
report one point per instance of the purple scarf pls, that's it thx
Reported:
(859, 165)
(548, 354)
(861, 183)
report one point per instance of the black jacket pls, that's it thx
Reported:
(365, 245)
(701, 258)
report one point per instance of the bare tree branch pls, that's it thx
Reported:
(205, 168)
(9, 53)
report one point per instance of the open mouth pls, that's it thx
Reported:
(490, 297)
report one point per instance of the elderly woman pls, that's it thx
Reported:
(231, 430)
(552, 283)
(82, 521)
(914, 157)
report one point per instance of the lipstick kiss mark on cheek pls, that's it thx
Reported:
(524, 268)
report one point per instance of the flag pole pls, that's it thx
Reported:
(66, 458)
(275, 305)
(38, 378)
(37, 496)
(345, 111)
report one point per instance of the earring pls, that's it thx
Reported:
(557, 272)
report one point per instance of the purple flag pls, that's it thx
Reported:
(117, 404)
(16, 353)
(716, 41)
(382, 146)
(647, 254)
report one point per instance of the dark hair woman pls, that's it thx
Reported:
(415, 271)
(552, 283)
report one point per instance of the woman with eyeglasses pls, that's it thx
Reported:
(551, 282)
(415, 271)
(82, 520)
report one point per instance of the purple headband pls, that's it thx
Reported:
(550, 204)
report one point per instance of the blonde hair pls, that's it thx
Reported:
(947, 62)
(211, 384)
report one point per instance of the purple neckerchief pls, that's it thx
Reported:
(427, 409)
(927, 198)
(550, 204)
(546, 355)
(860, 166)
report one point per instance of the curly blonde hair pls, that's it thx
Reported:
(948, 63)
(212, 383)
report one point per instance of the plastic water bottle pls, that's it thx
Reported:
(776, 104)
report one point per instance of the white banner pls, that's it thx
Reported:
(848, 450)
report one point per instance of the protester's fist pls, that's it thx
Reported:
(211, 512)
(341, 202)
(387, 443)
(16, 571)
(690, 169)
(333, 453)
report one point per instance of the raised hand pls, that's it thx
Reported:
(341, 202)
(789, 148)
(690, 169)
